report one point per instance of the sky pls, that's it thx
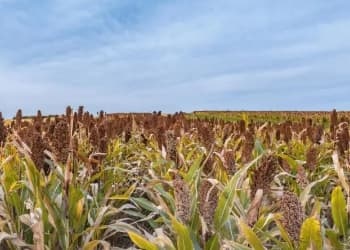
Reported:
(169, 55)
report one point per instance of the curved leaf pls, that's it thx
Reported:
(141, 242)
(250, 236)
(93, 245)
(310, 234)
(184, 241)
(226, 198)
(213, 243)
(305, 194)
(283, 232)
(340, 172)
(339, 213)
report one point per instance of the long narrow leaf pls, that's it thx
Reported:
(339, 213)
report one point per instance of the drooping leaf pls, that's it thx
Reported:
(227, 196)
(339, 214)
(333, 239)
(142, 242)
(310, 234)
(213, 243)
(250, 236)
(126, 195)
(183, 236)
(92, 245)
(283, 232)
(340, 172)
(305, 194)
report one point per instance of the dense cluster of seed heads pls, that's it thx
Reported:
(3, 130)
(171, 146)
(311, 158)
(342, 138)
(248, 146)
(334, 122)
(182, 199)
(292, 214)
(59, 135)
(55, 133)
(263, 175)
(229, 161)
(38, 146)
(60, 141)
(236, 141)
(18, 119)
(208, 200)
(302, 179)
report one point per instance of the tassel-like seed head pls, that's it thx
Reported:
(60, 141)
(94, 138)
(3, 130)
(248, 146)
(208, 200)
(334, 123)
(18, 119)
(38, 146)
(229, 164)
(171, 146)
(182, 200)
(311, 158)
(342, 138)
(301, 177)
(263, 175)
(292, 213)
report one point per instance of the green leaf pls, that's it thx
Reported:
(250, 236)
(194, 170)
(125, 196)
(183, 235)
(93, 245)
(305, 194)
(76, 205)
(258, 146)
(226, 198)
(339, 213)
(166, 195)
(141, 242)
(333, 238)
(293, 163)
(245, 119)
(213, 243)
(145, 204)
(310, 234)
(283, 232)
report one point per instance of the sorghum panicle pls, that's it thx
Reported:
(263, 175)
(248, 146)
(311, 158)
(182, 200)
(60, 141)
(3, 130)
(334, 123)
(292, 214)
(171, 146)
(229, 164)
(208, 200)
(38, 146)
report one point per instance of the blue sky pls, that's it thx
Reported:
(145, 55)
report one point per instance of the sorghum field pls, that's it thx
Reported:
(204, 180)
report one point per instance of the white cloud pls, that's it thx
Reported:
(172, 55)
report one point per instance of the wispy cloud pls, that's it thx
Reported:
(174, 55)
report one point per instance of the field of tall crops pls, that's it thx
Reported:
(205, 180)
